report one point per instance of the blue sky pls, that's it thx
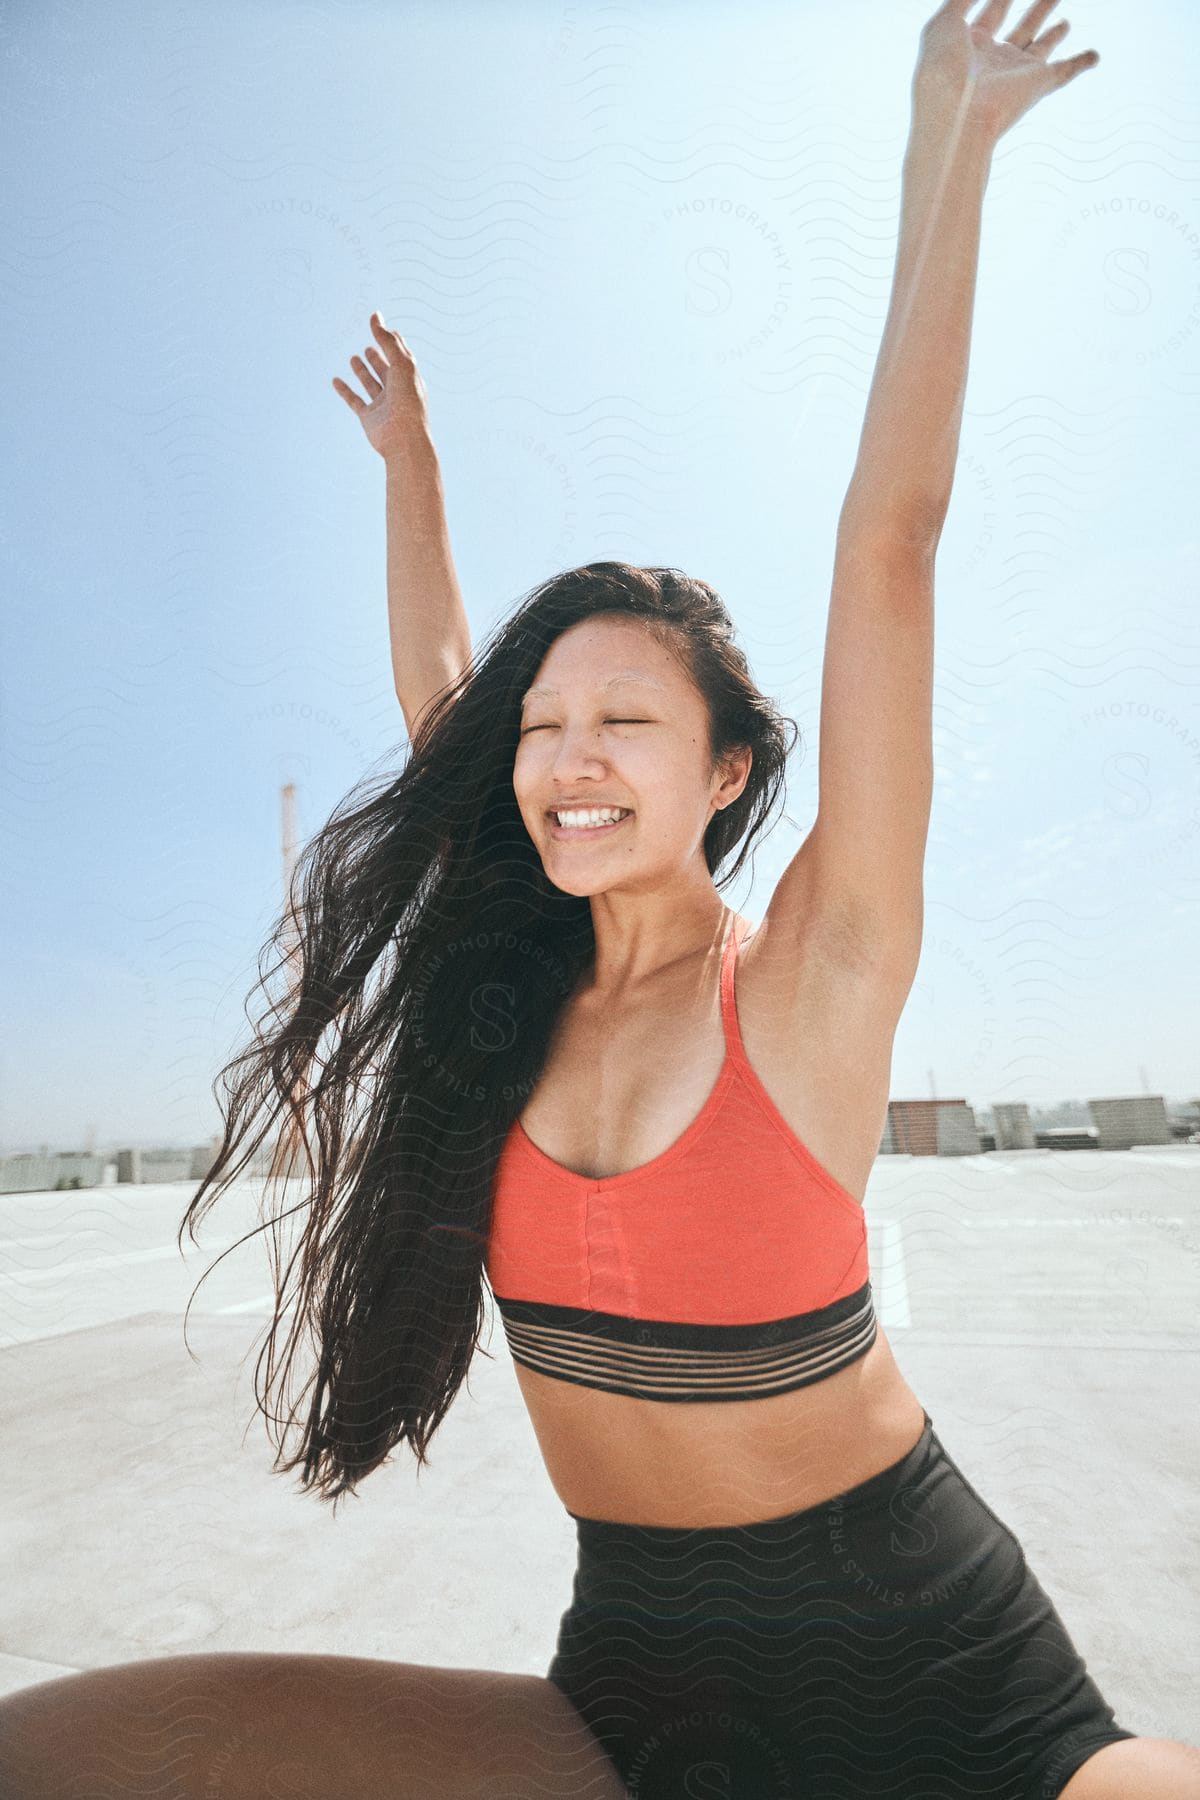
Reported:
(642, 255)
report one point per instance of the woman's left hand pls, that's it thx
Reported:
(962, 66)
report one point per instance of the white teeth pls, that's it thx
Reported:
(595, 815)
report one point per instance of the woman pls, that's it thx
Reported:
(591, 1080)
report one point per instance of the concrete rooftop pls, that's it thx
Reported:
(1042, 1304)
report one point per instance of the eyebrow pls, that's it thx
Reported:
(626, 675)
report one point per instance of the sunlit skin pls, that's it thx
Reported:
(625, 726)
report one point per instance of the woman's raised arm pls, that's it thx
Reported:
(427, 621)
(968, 89)
(857, 879)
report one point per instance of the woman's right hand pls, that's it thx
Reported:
(393, 414)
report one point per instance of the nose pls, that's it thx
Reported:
(576, 753)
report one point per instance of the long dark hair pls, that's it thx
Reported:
(423, 941)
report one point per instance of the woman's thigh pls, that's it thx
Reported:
(243, 1726)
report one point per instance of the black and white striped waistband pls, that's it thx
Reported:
(654, 1359)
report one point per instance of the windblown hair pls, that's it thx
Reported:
(423, 935)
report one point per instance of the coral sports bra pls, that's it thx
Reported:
(731, 1267)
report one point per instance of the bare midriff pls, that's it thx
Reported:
(647, 1462)
(819, 1038)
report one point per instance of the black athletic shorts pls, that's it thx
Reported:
(891, 1641)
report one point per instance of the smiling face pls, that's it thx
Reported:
(613, 720)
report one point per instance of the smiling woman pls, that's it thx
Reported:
(448, 893)
(427, 899)
(579, 754)
(530, 1049)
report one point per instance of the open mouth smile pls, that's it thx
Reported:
(582, 828)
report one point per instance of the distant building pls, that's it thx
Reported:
(45, 1170)
(930, 1128)
(1138, 1119)
(1067, 1137)
(1012, 1128)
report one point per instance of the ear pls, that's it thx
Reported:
(735, 772)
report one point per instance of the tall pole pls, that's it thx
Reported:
(291, 1149)
(287, 809)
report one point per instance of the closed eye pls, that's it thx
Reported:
(549, 727)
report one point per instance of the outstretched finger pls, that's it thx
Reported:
(1073, 65)
(349, 396)
(992, 16)
(369, 380)
(1049, 40)
(391, 340)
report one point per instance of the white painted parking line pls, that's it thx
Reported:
(69, 1239)
(119, 1260)
(1120, 1215)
